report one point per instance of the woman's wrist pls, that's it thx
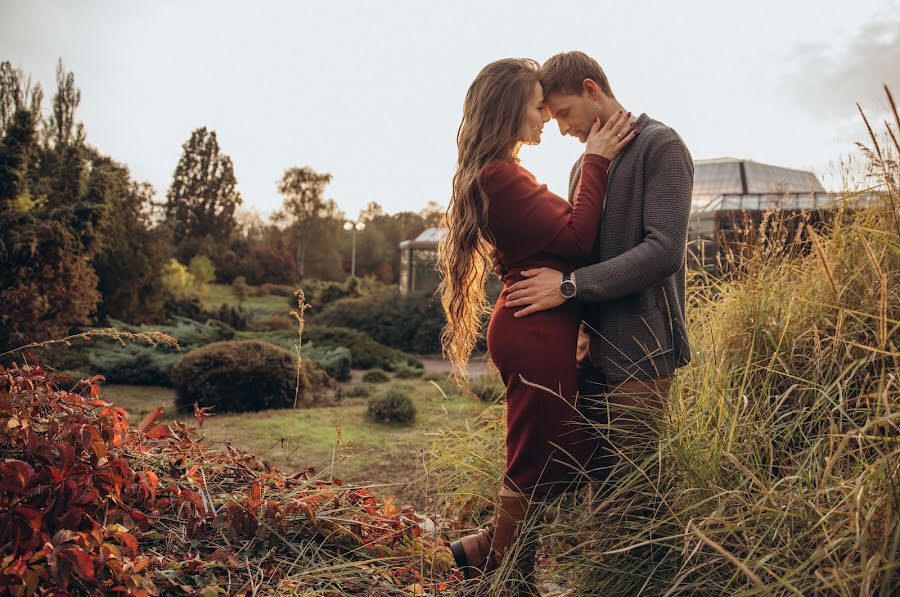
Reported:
(599, 159)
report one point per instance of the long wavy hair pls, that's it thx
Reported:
(491, 128)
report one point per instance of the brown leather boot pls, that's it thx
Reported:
(515, 513)
(471, 552)
(483, 551)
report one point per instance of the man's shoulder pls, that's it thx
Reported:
(655, 133)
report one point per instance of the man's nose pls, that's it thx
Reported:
(563, 129)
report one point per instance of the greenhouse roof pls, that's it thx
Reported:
(729, 176)
(427, 240)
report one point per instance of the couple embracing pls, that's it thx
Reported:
(590, 325)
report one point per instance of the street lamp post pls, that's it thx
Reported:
(354, 227)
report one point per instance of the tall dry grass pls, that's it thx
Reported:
(779, 467)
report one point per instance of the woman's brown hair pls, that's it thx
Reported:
(491, 129)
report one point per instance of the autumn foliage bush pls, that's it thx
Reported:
(247, 375)
(90, 505)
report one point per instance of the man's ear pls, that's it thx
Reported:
(590, 89)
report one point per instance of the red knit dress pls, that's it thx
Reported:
(547, 445)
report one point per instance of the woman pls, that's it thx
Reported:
(498, 206)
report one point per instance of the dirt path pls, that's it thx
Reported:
(436, 363)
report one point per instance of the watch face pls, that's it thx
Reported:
(567, 288)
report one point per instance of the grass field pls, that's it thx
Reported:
(261, 306)
(362, 451)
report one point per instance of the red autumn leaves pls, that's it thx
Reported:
(88, 504)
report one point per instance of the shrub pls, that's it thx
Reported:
(376, 376)
(435, 376)
(321, 293)
(488, 387)
(404, 372)
(95, 506)
(203, 270)
(287, 290)
(192, 308)
(273, 322)
(245, 375)
(357, 391)
(177, 280)
(393, 407)
(409, 323)
(241, 289)
(335, 361)
(367, 353)
(138, 364)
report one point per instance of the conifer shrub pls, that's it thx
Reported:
(393, 407)
(335, 361)
(246, 375)
(367, 352)
(376, 376)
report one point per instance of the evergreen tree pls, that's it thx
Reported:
(129, 262)
(15, 155)
(203, 196)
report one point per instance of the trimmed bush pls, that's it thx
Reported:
(246, 375)
(376, 376)
(393, 407)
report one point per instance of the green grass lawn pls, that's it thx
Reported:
(368, 452)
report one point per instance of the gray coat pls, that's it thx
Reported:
(633, 292)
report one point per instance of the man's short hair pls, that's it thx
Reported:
(565, 73)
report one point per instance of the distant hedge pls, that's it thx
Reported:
(367, 352)
(246, 375)
(411, 323)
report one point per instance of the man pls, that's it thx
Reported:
(633, 290)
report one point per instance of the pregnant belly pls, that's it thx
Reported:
(531, 344)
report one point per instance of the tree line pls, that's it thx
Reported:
(82, 241)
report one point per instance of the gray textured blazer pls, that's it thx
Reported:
(633, 292)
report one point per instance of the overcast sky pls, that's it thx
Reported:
(372, 91)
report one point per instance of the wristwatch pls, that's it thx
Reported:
(567, 287)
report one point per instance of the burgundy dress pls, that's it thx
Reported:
(547, 445)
